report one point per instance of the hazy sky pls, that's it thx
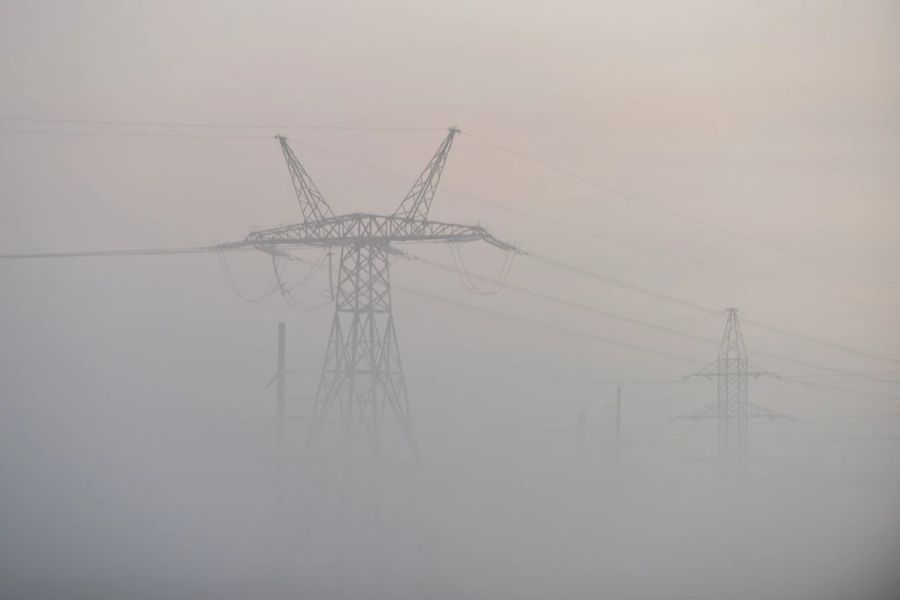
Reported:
(776, 122)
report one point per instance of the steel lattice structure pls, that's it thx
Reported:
(733, 397)
(362, 375)
(732, 409)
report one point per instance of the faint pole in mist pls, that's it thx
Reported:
(280, 418)
(279, 390)
(618, 425)
(279, 534)
(581, 429)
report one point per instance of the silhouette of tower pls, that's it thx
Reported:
(732, 409)
(733, 382)
(362, 375)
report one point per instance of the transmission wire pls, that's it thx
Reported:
(674, 331)
(545, 325)
(498, 283)
(270, 289)
(587, 232)
(699, 307)
(633, 198)
(216, 125)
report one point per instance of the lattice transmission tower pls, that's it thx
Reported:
(362, 375)
(732, 370)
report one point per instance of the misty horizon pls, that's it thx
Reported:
(504, 241)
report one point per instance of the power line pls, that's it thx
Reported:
(827, 344)
(633, 198)
(520, 155)
(623, 284)
(568, 303)
(699, 307)
(860, 375)
(610, 189)
(393, 173)
(134, 252)
(547, 260)
(134, 134)
(503, 207)
(233, 248)
(855, 418)
(238, 248)
(637, 381)
(856, 374)
(217, 125)
(838, 388)
(646, 324)
(493, 312)
(618, 343)
(542, 324)
(821, 375)
(588, 232)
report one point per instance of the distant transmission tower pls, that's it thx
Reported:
(732, 409)
(362, 375)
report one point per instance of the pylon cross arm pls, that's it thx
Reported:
(361, 228)
(711, 411)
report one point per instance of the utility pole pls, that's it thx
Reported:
(618, 424)
(279, 393)
(581, 428)
(280, 484)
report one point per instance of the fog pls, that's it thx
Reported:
(688, 156)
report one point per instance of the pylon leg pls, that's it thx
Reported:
(362, 374)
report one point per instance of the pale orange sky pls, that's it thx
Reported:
(776, 121)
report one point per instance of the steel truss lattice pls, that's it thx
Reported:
(732, 409)
(362, 375)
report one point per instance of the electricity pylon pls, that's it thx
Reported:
(732, 409)
(362, 375)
